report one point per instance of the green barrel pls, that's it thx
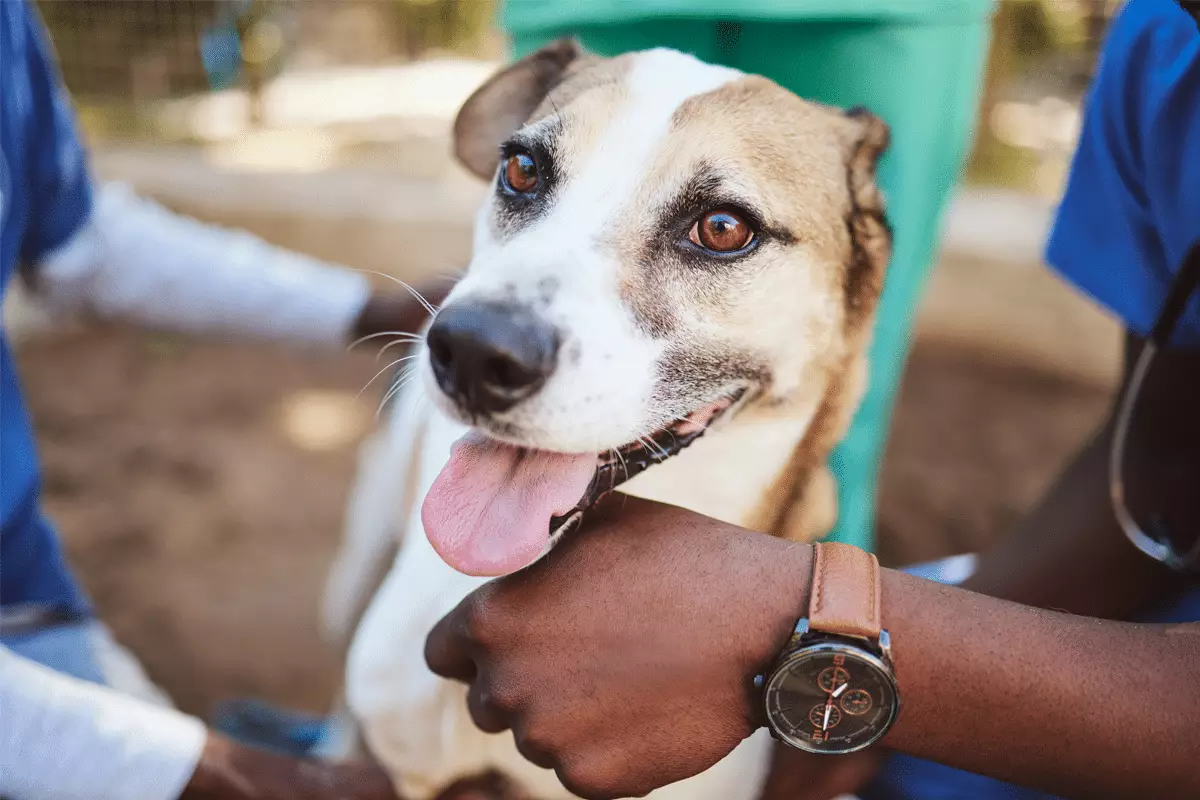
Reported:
(918, 64)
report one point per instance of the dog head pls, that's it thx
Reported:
(666, 242)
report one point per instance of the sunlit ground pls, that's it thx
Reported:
(324, 420)
(317, 119)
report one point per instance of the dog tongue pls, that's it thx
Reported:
(488, 512)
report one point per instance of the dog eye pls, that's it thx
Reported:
(721, 231)
(520, 173)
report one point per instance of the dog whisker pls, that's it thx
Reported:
(377, 374)
(420, 297)
(400, 336)
(624, 464)
(654, 448)
(406, 377)
(408, 374)
(383, 349)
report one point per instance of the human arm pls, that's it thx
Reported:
(107, 251)
(63, 738)
(625, 661)
(1125, 222)
(229, 771)
(137, 261)
(1071, 545)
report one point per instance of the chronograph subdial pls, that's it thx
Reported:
(857, 702)
(817, 716)
(831, 679)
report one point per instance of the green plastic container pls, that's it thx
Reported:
(918, 64)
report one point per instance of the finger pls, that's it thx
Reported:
(447, 648)
(487, 715)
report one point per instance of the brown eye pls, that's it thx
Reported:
(520, 173)
(721, 232)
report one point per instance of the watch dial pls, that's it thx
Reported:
(831, 698)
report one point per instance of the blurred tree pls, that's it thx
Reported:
(423, 25)
(1059, 39)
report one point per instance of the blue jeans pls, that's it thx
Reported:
(907, 778)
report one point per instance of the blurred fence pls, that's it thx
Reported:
(137, 51)
(129, 53)
(332, 140)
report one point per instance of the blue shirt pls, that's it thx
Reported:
(45, 197)
(1131, 209)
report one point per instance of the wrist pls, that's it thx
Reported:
(786, 581)
(230, 771)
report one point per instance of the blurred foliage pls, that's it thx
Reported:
(455, 25)
(134, 49)
(1048, 42)
(118, 53)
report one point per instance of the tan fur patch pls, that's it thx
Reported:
(811, 169)
(794, 315)
(585, 102)
(504, 102)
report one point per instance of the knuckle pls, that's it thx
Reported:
(536, 736)
(589, 779)
(539, 739)
(500, 697)
(482, 622)
(485, 716)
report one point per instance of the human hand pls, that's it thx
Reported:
(230, 771)
(625, 659)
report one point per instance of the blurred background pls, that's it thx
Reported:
(201, 486)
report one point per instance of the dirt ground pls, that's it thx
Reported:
(200, 487)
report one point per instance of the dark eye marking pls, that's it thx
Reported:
(527, 177)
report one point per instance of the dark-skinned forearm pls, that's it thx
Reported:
(1073, 705)
(1070, 545)
(1069, 553)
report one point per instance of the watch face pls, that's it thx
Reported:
(831, 698)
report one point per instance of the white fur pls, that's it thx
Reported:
(416, 724)
(599, 400)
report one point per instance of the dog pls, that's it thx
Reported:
(671, 293)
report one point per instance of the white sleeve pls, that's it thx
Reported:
(136, 260)
(65, 739)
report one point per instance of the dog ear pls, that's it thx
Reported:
(870, 234)
(869, 140)
(504, 103)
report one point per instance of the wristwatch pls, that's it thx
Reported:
(832, 690)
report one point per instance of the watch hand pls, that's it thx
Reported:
(825, 724)
(840, 689)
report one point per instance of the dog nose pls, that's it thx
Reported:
(488, 357)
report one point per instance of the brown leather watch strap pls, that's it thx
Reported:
(845, 591)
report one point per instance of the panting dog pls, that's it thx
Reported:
(671, 293)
